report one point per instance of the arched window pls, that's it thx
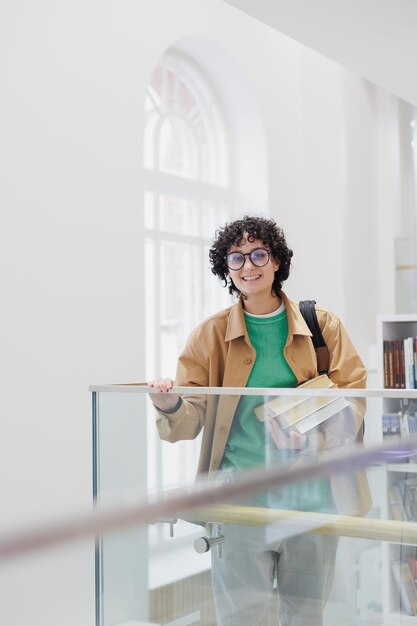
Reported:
(188, 194)
(185, 133)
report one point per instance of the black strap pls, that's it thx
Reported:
(308, 311)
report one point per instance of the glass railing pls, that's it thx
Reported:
(305, 519)
(313, 522)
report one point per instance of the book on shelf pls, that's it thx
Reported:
(391, 425)
(402, 499)
(410, 587)
(303, 413)
(395, 504)
(400, 360)
(412, 564)
(401, 424)
(405, 586)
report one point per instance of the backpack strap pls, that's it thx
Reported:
(308, 311)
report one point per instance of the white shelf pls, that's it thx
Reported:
(136, 623)
(398, 317)
(410, 468)
(391, 327)
(394, 619)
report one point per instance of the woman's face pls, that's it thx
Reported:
(251, 279)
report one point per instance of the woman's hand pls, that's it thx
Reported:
(163, 385)
(293, 441)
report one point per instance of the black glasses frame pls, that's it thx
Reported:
(249, 254)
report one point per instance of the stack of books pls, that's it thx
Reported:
(400, 360)
(303, 413)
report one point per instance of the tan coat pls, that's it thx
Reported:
(218, 353)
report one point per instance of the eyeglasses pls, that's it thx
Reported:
(258, 257)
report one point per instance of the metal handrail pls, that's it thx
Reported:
(143, 388)
(179, 502)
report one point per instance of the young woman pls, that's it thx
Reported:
(262, 341)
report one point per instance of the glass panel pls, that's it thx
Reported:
(302, 534)
(332, 546)
(120, 476)
(296, 529)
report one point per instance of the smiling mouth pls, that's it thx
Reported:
(250, 278)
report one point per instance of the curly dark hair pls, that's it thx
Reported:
(233, 233)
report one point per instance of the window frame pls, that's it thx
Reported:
(158, 183)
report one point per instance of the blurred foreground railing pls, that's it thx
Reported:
(183, 501)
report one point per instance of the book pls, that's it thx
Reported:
(391, 364)
(400, 363)
(280, 404)
(408, 582)
(318, 416)
(391, 424)
(415, 361)
(395, 503)
(405, 603)
(404, 426)
(303, 413)
(386, 363)
(402, 499)
(409, 347)
(412, 564)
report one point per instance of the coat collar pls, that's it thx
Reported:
(236, 326)
(296, 322)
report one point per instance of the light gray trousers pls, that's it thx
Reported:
(243, 577)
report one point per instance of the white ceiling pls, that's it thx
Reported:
(376, 39)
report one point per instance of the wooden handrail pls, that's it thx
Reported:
(318, 523)
(23, 540)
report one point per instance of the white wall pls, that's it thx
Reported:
(73, 79)
(374, 39)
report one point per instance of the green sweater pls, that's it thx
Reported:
(249, 444)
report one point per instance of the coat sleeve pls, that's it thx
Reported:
(346, 368)
(192, 371)
(347, 371)
(350, 490)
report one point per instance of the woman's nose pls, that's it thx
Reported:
(248, 261)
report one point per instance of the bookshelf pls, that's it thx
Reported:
(396, 328)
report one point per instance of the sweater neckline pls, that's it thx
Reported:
(276, 313)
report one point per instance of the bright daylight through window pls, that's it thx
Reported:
(187, 195)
